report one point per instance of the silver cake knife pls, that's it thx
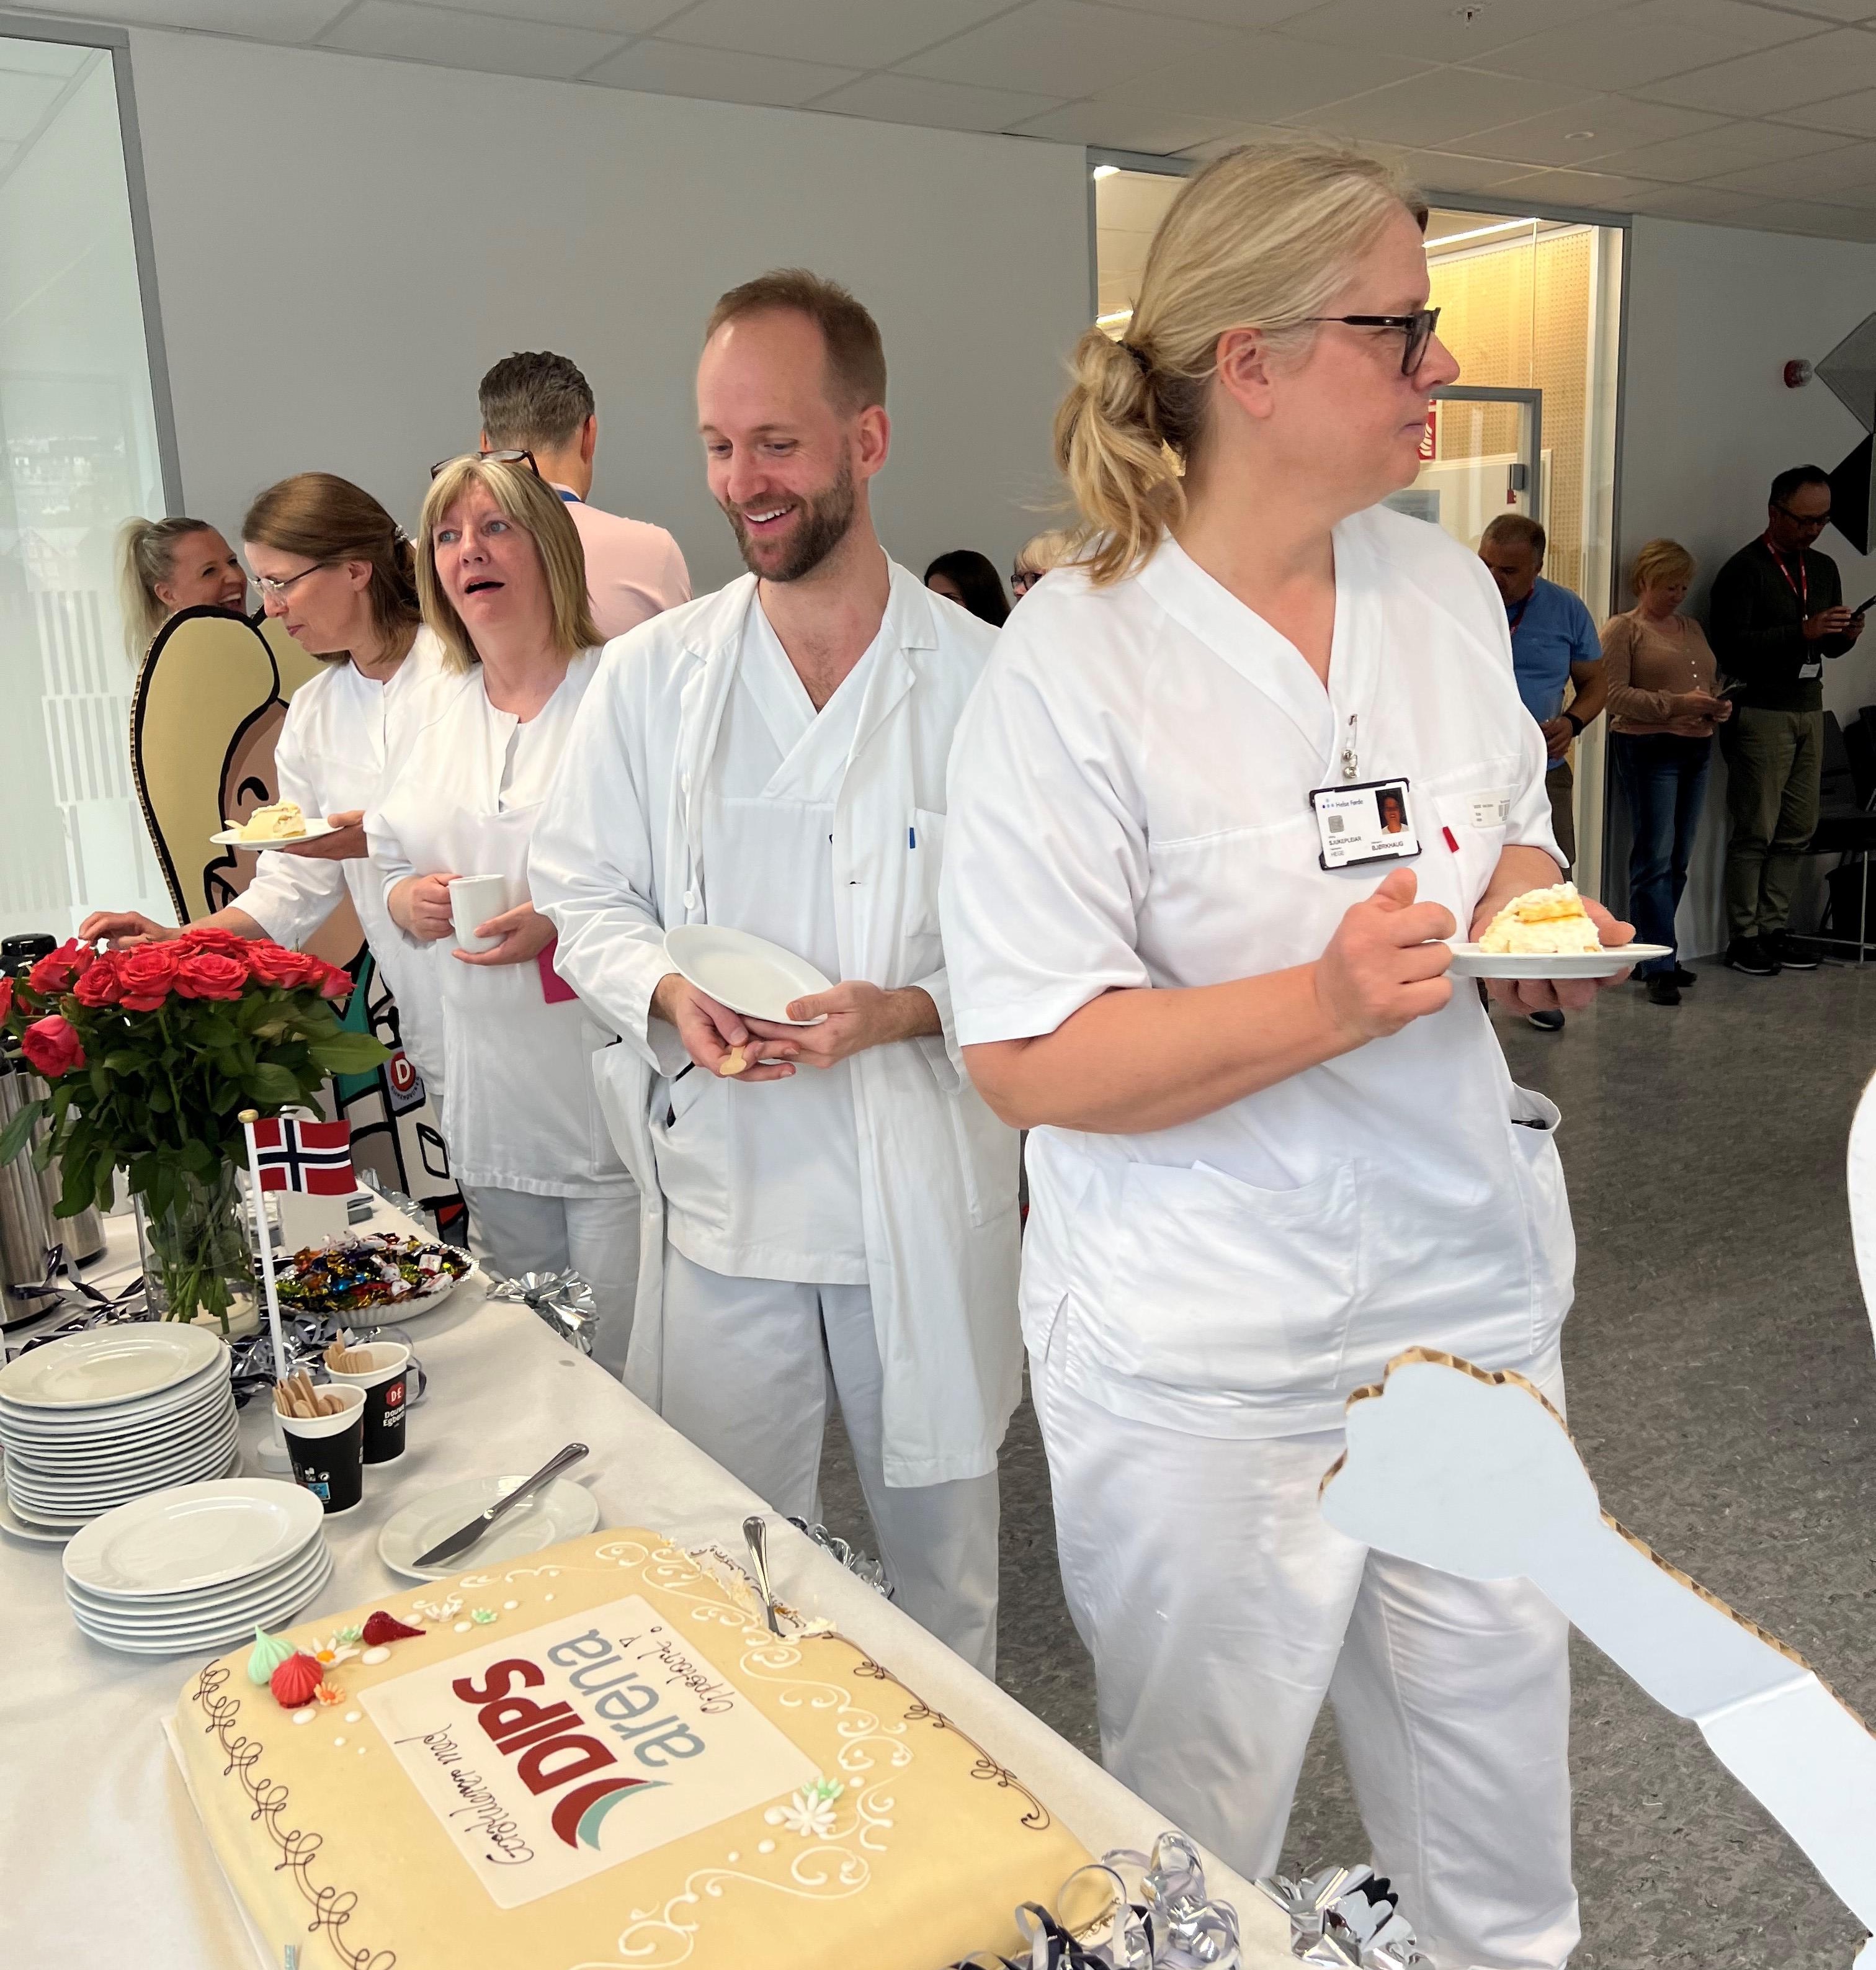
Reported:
(460, 1541)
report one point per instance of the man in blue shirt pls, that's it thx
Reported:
(1554, 647)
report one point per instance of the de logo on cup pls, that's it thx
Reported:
(385, 1384)
(473, 899)
(328, 1451)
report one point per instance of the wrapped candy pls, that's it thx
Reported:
(564, 1300)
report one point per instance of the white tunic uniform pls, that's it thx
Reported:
(340, 730)
(1129, 808)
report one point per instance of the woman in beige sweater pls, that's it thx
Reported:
(1663, 709)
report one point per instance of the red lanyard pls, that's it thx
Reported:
(1515, 617)
(1801, 588)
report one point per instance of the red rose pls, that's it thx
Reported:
(207, 974)
(6, 997)
(212, 936)
(145, 975)
(335, 984)
(274, 964)
(55, 971)
(100, 984)
(52, 1046)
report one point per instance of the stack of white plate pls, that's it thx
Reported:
(197, 1568)
(93, 1420)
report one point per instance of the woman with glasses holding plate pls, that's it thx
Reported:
(337, 571)
(503, 581)
(1226, 786)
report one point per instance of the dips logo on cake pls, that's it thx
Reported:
(559, 1753)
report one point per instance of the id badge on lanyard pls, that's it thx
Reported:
(1369, 821)
(1813, 666)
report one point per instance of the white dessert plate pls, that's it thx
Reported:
(194, 1535)
(559, 1511)
(88, 1496)
(57, 1450)
(255, 1608)
(1470, 961)
(22, 1528)
(747, 973)
(208, 1603)
(107, 1366)
(233, 837)
(221, 1632)
(102, 1431)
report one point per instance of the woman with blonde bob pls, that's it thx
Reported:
(503, 584)
(1271, 1146)
(1664, 708)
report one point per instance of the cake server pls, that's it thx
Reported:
(755, 1530)
(460, 1541)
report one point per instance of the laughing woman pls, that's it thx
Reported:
(503, 584)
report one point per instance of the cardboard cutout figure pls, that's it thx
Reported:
(1475, 1473)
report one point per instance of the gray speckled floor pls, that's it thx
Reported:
(1722, 1387)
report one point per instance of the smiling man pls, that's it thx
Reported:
(827, 1199)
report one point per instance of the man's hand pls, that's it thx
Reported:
(525, 933)
(126, 929)
(854, 1016)
(718, 1040)
(1558, 732)
(1855, 628)
(1569, 995)
(1838, 622)
(1384, 966)
(422, 905)
(346, 844)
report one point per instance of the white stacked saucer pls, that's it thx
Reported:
(93, 1420)
(198, 1568)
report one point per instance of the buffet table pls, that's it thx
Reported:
(105, 1863)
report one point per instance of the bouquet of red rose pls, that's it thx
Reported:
(152, 1054)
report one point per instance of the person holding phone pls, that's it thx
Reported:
(1665, 705)
(1776, 613)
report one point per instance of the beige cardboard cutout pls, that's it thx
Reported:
(1474, 1474)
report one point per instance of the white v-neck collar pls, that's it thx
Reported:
(814, 745)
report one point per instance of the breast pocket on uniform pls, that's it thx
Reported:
(1219, 1284)
(1476, 821)
(924, 860)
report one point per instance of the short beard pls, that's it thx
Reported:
(827, 518)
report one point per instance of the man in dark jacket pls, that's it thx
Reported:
(1776, 614)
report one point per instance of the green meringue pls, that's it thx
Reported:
(268, 1653)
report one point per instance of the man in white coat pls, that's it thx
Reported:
(824, 1203)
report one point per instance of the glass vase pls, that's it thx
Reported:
(197, 1264)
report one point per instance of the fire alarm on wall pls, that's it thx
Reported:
(1797, 373)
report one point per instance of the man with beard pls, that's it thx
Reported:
(827, 1199)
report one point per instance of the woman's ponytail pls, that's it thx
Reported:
(1109, 446)
(146, 554)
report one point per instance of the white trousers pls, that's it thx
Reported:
(513, 1231)
(747, 1367)
(1221, 1607)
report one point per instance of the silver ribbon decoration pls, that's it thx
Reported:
(861, 1565)
(564, 1300)
(1345, 1919)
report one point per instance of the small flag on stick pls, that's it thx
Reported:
(312, 1157)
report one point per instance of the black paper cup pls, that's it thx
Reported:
(386, 1384)
(327, 1451)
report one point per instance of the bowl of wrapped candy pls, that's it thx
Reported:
(365, 1280)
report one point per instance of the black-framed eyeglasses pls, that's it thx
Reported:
(496, 457)
(1023, 580)
(1417, 328)
(1817, 521)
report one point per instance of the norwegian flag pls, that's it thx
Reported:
(315, 1157)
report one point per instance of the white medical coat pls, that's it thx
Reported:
(342, 731)
(1129, 806)
(619, 856)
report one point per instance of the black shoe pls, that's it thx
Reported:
(1793, 953)
(1663, 990)
(1753, 956)
(1550, 1020)
(1683, 977)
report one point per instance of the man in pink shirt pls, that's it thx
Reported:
(538, 402)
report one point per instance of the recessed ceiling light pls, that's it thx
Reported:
(1577, 136)
(1105, 171)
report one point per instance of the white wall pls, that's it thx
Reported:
(343, 245)
(1714, 315)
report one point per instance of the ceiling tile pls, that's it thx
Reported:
(1436, 29)
(1797, 72)
(1729, 147)
(1592, 128)
(1262, 78)
(1752, 24)
(1849, 169)
(1441, 171)
(938, 105)
(850, 34)
(1223, 13)
(1711, 204)
(1795, 215)
(1437, 108)
(1832, 10)
(614, 18)
(451, 39)
(1125, 126)
(668, 68)
(1625, 52)
(60, 58)
(1076, 49)
(1851, 115)
(287, 20)
(1602, 190)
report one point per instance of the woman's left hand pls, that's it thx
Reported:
(525, 933)
(1569, 995)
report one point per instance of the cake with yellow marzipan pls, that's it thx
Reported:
(601, 1756)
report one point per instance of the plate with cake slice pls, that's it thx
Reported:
(280, 825)
(1547, 934)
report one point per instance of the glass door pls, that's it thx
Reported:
(1483, 455)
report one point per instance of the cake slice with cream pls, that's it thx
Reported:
(283, 820)
(1546, 923)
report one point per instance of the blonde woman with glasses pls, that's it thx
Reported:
(503, 587)
(1271, 1147)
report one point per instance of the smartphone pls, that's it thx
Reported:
(1862, 606)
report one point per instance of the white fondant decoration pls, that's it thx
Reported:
(1474, 1474)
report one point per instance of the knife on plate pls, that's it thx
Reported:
(462, 1539)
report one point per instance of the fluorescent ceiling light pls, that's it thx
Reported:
(1478, 232)
(1105, 171)
(1114, 321)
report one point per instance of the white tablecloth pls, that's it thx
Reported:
(103, 1862)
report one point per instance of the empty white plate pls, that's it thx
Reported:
(194, 1535)
(747, 973)
(255, 1608)
(1469, 961)
(105, 1424)
(85, 1498)
(231, 837)
(209, 1602)
(559, 1511)
(212, 1636)
(171, 1437)
(108, 1366)
(22, 1525)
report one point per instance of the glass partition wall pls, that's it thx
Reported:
(79, 454)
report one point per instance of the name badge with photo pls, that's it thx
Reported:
(1372, 822)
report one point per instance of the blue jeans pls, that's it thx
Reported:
(1663, 777)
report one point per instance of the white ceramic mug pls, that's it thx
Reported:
(473, 899)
